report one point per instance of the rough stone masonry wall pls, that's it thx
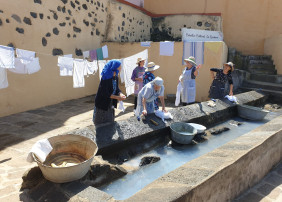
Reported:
(59, 27)
(169, 27)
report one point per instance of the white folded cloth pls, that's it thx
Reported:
(178, 92)
(232, 98)
(120, 106)
(41, 149)
(163, 115)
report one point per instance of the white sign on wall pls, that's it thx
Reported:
(194, 35)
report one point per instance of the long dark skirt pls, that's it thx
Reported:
(101, 116)
(217, 90)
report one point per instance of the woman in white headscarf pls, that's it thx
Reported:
(147, 95)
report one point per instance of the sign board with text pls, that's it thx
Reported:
(194, 35)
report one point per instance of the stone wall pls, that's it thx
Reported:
(169, 27)
(273, 46)
(52, 28)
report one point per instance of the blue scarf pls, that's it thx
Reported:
(109, 69)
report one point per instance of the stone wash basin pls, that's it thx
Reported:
(251, 113)
(76, 152)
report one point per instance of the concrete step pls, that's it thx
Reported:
(259, 57)
(274, 96)
(267, 78)
(262, 71)
(262, 85)
(264, 61)
(261, 66)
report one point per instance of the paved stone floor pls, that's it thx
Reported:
(268, 189)
(20, 131)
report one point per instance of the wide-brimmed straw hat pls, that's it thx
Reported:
(231, 65)
(192, 60)
(139, 60)
(152, 66)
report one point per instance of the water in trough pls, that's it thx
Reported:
(173, 157)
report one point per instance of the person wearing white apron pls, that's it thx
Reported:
(188, 82)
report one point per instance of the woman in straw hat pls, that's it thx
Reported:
(108, 94)
(222, 76)
(187, 79)
(147, 95)
(149, 76)
(137, 77)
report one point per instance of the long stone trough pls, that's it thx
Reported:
(220, 175)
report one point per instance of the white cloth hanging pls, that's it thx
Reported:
(85, 54)
(25, 54)
(33, 66)
(101, 64)
(3, 78)
(79, 69)
(167, 48)
(20, 67)
(40, 149)
(178, 93)
(105, 51)
(66, 65)
(7, 57)
(129, 64)
(68, 55)
(92, 67)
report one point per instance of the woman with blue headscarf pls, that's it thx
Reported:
(108, 94)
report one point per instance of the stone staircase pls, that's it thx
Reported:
(261, 74)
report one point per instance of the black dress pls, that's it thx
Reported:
(218, 85)
(104, 105)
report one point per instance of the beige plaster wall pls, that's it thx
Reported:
(46, 87)
(245, 23)
(273, 46)
(171, 66)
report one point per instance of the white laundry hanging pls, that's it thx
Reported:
(129, 65)
(178, 93)
(105, 51)
(167, 48)
(33, 66)
(66, 65)
(3, 78)
(85, 54)
(20, 67)
(92, 67)
(7, 57)
(101, 64)
(79, 68)
(195, 49)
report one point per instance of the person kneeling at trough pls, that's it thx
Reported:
(147, 95)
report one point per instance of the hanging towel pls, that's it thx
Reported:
(195, 49)
(20, 67)
(7, 57)
(66, 65)
(167, 48)
(25, 54)
(85, 54)
(178, 93)
(33, 66)
(101, 64)
(100, 54)
(92, 67)
(93, 55)
(146, 43)
(79, 69)
(129, 65)
(105, 51)
(40, 149)
(3, 78)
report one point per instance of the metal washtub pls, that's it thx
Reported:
(182, 133)
(71, 149)
(251, 113)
